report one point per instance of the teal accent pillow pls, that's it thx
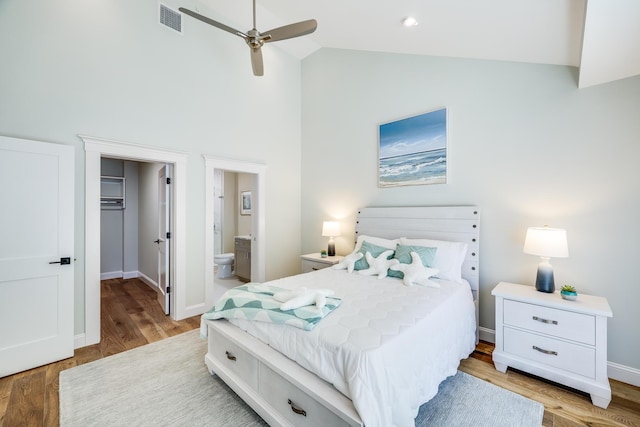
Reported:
(374, 250)
(403, 254)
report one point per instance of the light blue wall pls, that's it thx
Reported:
(108, 69)
(526, 146)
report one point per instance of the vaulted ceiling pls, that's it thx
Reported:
(600, 37)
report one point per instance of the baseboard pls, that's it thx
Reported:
(486, 334)
(111, 275)
(130, 274)
(148, 280)
(623, 373)
(615, 371)
(193, 310)
(80, 340)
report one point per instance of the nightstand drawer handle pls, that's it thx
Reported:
(230, 356)
(553, 353)
(540, 319)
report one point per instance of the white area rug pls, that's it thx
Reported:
(166, 383)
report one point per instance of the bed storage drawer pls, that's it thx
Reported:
(295, 405)
(232, 357)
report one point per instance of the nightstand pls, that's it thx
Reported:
(312, 262)
(545, 335)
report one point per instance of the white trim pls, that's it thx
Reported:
(79, 341)
(623, 373)
(615, 371)
(148, 281)
(95, 148)
(258, 213)
(130, 274)
(111, 275)
(486, 334)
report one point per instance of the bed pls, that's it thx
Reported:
(359, 365)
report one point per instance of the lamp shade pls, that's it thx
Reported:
(331, 228)
(546, 242)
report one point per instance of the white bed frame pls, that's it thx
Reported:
(285, 394)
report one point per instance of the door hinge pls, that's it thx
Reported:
(168, 235)
(168, 180)
(168, 289)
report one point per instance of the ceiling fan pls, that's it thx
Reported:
(255, 39)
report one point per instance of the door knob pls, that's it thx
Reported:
(63, 261)
(157, 241)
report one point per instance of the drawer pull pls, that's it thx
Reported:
(540, 319)
(315, 268)
(297, 410)
(230, 356)
(541, 350)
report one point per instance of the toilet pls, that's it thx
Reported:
(224, 262)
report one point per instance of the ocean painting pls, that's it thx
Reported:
(413, 151)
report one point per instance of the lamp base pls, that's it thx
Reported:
(544, 278)
(331, 250)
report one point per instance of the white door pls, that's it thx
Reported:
(36, 253)
(164, 234)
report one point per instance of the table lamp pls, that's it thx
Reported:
(546, 243)
(331, 229)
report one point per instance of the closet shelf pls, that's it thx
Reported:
(112, 192)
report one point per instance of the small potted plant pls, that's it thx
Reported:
(569, 292)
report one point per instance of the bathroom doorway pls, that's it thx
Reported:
(226, 219)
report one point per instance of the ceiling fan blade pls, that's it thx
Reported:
(212, 22)
(256, 62)
(290, 31)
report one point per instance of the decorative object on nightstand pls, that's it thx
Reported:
(546, 243)
(312, 262)
(568, 292)
(331, 229)
(562, 341)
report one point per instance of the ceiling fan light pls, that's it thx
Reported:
(409, 21)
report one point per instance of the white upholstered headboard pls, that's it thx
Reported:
(452, 223)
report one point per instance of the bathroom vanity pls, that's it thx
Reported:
(243, 258)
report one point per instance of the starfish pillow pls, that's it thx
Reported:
(379, 265)
(349, 262)
(416, 272)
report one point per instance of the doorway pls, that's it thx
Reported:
(135, 222)
(257, 171)
(95, 149)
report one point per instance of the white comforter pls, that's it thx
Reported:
(387, 347)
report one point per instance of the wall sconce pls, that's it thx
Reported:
(331, 229)
(546, 243)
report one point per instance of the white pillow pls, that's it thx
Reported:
(449, 256)
(379, 241)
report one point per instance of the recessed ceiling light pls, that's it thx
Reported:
(409, 21)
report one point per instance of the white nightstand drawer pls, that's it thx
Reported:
(548, 351)
(558, 323)
(298, 407)
(234, 358)
(308, 265)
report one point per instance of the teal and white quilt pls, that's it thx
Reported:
(256, 302)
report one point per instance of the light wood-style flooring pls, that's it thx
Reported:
(131, 317)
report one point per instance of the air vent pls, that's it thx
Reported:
(170, 18)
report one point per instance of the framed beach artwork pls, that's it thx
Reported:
(245, 203)
(413, 151)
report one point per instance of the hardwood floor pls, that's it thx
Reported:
(564, 407)
(131, 317)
